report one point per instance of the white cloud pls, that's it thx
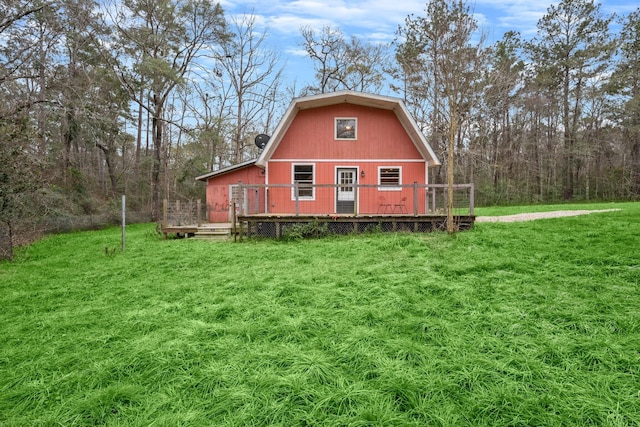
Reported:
(291, 24)
(378, 20)
(296, 52)
(515, 15)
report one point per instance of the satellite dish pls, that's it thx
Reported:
(261, 140)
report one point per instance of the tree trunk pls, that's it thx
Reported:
(136, 166)
(567, 159)
(110, 169)
(156, 126)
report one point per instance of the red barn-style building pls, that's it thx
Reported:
(340, 153)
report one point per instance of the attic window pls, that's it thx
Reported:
(346, 128)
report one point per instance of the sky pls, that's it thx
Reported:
(377, 21)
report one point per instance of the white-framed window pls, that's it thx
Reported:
(389, 178)
(304, 175)
(346, 128)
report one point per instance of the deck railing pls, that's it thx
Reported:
(182, 213)
(288, 200)
(362, 199)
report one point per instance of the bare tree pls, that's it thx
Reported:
(252, 73)
(326, 50)
(21, 44)
(171, 35)
(625, 84)
(443, 42)
(341, 64)
(573, 45)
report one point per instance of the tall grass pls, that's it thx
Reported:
(534, 323)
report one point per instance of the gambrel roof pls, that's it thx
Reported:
(357, 98)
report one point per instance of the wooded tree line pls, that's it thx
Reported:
(551, 118)
(132, 97)
(138, 97)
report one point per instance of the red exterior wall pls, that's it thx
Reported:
(218, 198)
(381, 141)
(380, 136)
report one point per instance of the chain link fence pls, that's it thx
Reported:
(305, 227)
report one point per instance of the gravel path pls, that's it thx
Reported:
(538, 215)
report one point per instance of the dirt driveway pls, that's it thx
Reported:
(538, 215)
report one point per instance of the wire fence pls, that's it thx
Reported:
(304, 226)
(28, 230)
(179, 213)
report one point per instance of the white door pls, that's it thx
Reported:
(345, 196)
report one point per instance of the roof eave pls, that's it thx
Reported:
(228, 169)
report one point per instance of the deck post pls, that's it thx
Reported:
(257, 192)
(415, 198)
(426, 197)
(199, 212)
(433, 200)
(240, 206)
(233, 221)
(471, 200)
(295, 192)
(355, 199)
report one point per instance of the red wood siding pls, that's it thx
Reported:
(381, 141)
(379, 135)
(218, 198)
(282, 201)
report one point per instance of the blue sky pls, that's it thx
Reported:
(377, 21)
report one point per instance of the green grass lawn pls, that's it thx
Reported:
(531, 324)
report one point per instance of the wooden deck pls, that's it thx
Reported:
(277, 226)
(210, 231)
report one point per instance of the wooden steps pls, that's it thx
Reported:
(213, 232)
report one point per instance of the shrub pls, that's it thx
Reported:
(303, 230)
